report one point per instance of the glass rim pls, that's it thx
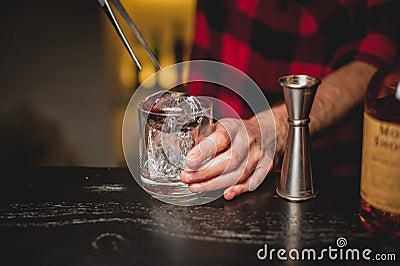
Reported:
(200, 98)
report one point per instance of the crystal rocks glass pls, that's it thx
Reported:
(170, 125)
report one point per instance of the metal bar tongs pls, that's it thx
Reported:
(120, 8)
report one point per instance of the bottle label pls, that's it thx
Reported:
(380, 170)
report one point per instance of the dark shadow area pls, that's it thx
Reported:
(54, 103)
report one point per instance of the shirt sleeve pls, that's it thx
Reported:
(380, 46)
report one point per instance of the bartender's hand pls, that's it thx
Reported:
(245, 152)
(244, 147)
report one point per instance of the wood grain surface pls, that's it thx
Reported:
(100, 216)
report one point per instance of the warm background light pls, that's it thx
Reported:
(167, 26)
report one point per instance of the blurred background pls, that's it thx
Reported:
(66, 78)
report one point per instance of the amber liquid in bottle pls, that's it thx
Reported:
(380, 171)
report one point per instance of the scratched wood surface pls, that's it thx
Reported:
(100, 216)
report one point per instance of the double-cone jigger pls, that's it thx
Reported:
(296, 181)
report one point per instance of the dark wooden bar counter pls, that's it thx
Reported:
(100, 216)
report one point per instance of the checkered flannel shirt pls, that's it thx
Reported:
(267, 39)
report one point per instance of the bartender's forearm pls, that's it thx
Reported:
(338, 93)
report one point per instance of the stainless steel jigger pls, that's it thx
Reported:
(296, 182)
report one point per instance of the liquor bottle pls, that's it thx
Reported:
(380, 168)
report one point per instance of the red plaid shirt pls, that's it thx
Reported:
(267, 39)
